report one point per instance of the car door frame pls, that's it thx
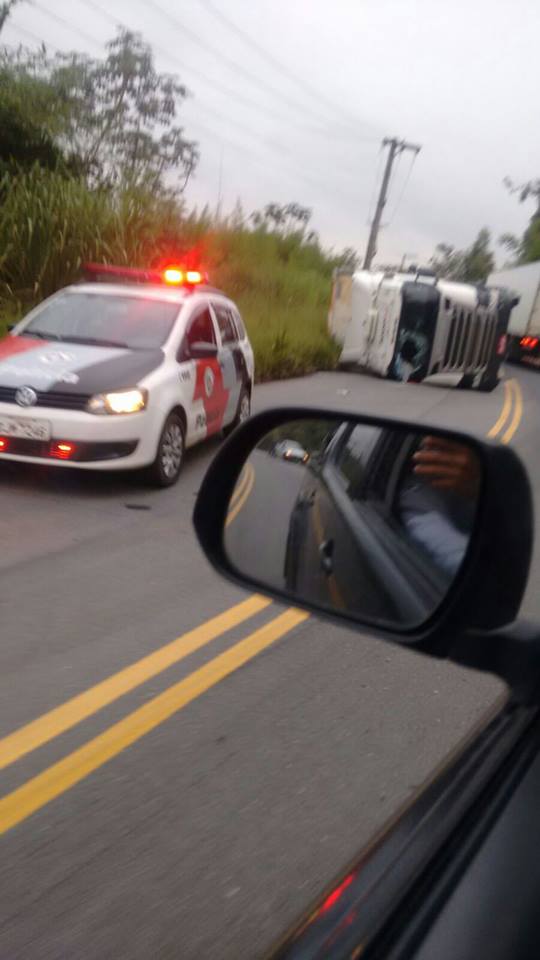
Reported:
(231, 360)
(194, 376)
(392, 893)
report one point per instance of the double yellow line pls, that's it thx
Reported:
(241, 492)
(511, 413)
(59, 777)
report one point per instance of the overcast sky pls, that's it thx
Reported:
(298, 114)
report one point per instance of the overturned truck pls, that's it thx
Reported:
(413, 327)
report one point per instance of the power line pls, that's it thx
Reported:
(66, 23)
(221, 88)
(236, 67)
(201, 104)
(241, 147)
(275, 63)
(30, 35)
(306, 177)
(403, 189)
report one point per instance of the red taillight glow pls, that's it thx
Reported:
(193, 276)
(333, 897)
(173, 275)
(529, 342)
(3, 444)
(61, 450)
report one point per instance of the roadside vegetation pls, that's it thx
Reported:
(88, 175)
(94, 164)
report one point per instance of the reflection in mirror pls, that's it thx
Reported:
(365, 520)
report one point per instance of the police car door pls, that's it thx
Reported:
(231, 361)
(201, 377)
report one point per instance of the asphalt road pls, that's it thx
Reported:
(193, 805)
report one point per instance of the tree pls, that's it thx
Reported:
(5, 11)
(118, 114)
(29, 119)
(348, 259)
(471, 265)
(286, 219)
(525, 249)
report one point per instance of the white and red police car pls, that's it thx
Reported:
(124, 374)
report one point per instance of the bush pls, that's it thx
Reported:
(50, 225)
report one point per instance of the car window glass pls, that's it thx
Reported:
(240, 326)
(354, 455)
(201, 328)
(95, 318)
(225, 324)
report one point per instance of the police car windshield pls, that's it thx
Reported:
(105, 320)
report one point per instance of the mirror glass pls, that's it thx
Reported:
(370, 521)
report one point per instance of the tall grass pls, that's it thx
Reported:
(50, 225)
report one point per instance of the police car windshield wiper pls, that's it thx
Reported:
(40, 334)
(94, 341)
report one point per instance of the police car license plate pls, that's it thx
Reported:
(27, 428)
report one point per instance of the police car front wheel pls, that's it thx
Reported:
(166, 468)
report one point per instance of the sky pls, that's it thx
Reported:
(289, 101)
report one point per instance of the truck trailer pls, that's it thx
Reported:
(524, 326)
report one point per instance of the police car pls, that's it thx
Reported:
(125, 373)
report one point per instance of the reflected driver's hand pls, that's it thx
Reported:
(448, 465)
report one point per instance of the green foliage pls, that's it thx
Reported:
(118, 115)
(50, 225)
(525, 249)
(469, 266)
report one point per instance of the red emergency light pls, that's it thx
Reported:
(171, 275)
(4, 444)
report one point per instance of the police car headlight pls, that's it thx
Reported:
(121, 401)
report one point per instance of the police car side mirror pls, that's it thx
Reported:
(202, 351)
(413, 533)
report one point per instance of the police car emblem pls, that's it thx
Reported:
(209, 382)
(57, 356)
(25, 397)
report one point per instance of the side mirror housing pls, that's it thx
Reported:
(412, 533)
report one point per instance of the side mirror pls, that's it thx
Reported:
(416, 533)
(202, 351)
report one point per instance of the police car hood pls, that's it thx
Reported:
(76, 368)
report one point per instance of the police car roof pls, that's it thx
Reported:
(150, 291)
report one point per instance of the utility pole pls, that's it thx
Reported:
(395, 148)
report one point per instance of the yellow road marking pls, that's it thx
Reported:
(243, 480)
(247, 487)
(505, 412)
(61, 776)
(61, 718)
(518, 413)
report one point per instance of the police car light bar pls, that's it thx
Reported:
(172, 275)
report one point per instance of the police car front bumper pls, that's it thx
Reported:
(74, 438)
